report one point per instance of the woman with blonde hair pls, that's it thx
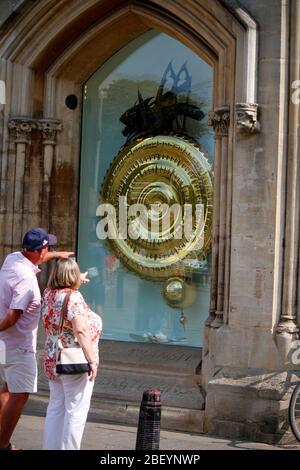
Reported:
(70, 395)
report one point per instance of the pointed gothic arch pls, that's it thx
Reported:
(50, 51)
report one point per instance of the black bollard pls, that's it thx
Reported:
(149, 421)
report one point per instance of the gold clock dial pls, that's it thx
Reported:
(166, 184)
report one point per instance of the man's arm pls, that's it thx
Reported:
(56, 255)
(11, 317)
(50, 255)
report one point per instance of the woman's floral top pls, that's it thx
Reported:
(52, 303)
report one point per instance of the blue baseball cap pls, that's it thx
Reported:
(37, 238)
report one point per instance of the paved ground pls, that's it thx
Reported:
(101, 436)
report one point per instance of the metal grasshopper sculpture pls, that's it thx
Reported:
(161, 113)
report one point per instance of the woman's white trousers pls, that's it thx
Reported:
(70, 397)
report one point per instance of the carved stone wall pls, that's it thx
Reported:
(49, 50)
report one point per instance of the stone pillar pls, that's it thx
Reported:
(219, 120)
(287, 329)
(215, 226)
(49, 129)
(21, 129)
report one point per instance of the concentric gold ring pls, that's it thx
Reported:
(158, 172)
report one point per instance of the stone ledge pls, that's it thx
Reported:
(127, 369)
(128, 386)
(118, 412)
(172, 359)
(269, 385)
(250, 404)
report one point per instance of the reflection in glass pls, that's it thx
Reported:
(132, 308)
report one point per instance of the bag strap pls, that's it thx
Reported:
(63, 312)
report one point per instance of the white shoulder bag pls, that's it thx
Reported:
(69, 360)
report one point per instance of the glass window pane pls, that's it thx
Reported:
(134, 308)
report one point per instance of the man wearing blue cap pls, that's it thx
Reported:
(20, 305)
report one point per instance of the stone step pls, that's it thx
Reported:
(119, 412)
(128, 386)
(159, 357)
(128, 369)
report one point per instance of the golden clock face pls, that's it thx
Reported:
(161, 190)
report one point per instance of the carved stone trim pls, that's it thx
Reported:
(246, 118)
(287, 324)
(49, 129)
(219, 119)
(211, 317)
(21, 128)
(250, 53)
(218, 321)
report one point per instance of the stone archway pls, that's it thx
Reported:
(49, 52)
